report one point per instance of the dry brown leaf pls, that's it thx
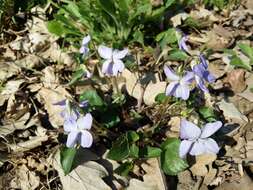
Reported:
(33, 142)
(210, 175)
(152, 90)
(152, 180)
(244, 183)
(199, 168)
(231, 113)
(25, 179)
(49, 97)
(8, 69)
(236, 79)
(86, 176)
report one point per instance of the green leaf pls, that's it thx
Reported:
(67, 158)
(124, 168)
(55, 27)
(247, 50)
(150, 152)
(208, 114)
(236, 61)
(138, 37)
(132, 136)
(93, 98)
(110, 119)
(177, 55)
(134, 151)
(169, 3)
(219, 4)
(167, 37)
(161, 98)
(120, 149)
(171, 163)
(77, 76)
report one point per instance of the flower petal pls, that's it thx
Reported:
(171, 88)
(188, 130)
(211, 146)
(73, 137)
(118, 66)
(105, 52)
(86, 40)
(201, 84)
(170, 74)
(183, 92)
(188, 78)
(60, 103)
(184, 148)
(83, 103)
(203, 60)
(117, 54)
(84, 50)
(199, 70)
(70, 125)
(107, 67)
(84, 122)
(88, 74)
(198, 148)
(86, 139)
(210, 128)
(182, 43)
(209, 77)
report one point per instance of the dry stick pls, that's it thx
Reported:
(140, 100)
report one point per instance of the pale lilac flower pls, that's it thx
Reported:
(179, 86)
(87, 74)
(196, 141)
(202, 74)
(78, 131)
(84, 48)
(113, 63)
(182, 44)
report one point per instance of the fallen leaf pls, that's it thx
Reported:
(231, 113)
(49, 97)
(152, 90)
(25, 179)
(86, 176)
(236, 79)
(152, 180)
(199, 168)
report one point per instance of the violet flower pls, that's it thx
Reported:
(84, 48)
(87, 74)
(196, 141)
(182, 44)
(78, 131)
(179, 87)
(202, 74)
(113, 63)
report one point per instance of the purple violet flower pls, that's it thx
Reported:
(78, 131)
(196, 141)
(182, 43)
(202, 74)
(113, 64)
(84, 48)
(179, 87)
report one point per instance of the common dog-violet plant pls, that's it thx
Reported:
(109, 111)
